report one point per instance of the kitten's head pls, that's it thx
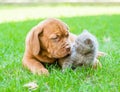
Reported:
(85, 43)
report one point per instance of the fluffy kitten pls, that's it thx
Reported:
(84, 51)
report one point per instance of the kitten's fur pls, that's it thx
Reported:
(84, 51)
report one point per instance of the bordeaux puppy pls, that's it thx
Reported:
(46, 42)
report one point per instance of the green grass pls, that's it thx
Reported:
(13, 76)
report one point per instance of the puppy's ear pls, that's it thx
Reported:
(33, 40)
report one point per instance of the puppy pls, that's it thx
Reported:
(45, 43)
(84, 52)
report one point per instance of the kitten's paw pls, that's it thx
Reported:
(97, 64)
(101, 54)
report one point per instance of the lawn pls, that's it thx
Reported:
(13, 76)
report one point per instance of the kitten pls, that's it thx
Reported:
(84, 51)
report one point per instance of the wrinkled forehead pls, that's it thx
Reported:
(56, 27)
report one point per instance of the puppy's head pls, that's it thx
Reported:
(50, 38)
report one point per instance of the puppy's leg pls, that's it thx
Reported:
(35, 66)
(96, 64)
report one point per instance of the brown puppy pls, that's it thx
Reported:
(45, 43)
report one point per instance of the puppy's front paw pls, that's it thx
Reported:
(41, 71)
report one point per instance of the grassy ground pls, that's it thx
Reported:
(13, 76)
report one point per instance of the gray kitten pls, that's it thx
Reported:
(84, 51)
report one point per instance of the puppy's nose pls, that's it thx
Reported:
(68, 49)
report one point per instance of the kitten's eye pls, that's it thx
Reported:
(88, 41)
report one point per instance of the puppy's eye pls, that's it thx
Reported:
(54, 37)
(67, 34)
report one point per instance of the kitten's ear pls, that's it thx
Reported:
(88, 41)
(85, 30)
